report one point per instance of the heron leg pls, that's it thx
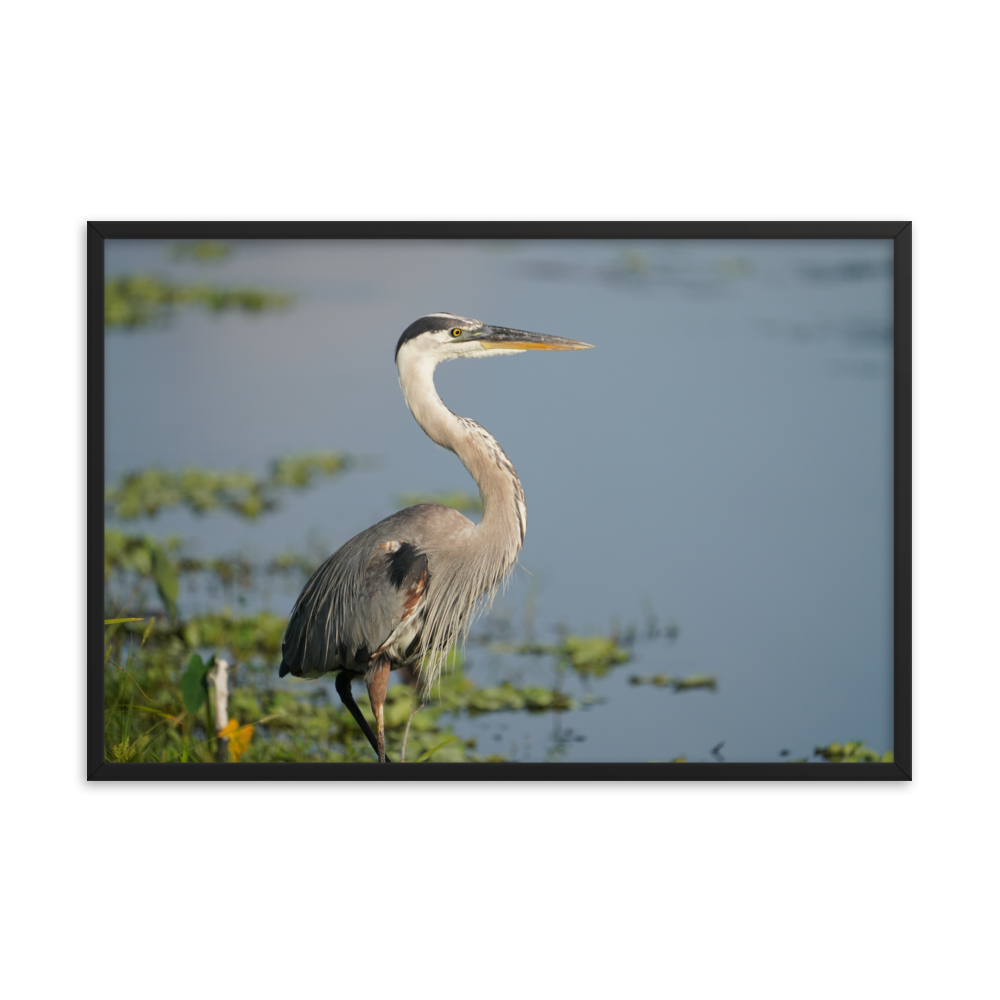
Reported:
(377, 680)
(343, 686)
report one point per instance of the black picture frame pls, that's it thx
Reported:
(98, 769)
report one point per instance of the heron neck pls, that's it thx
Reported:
(504, 512)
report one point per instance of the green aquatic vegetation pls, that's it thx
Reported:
(693, 683)
(852, 752)
(203, 251)
(159, 707)
(588, 656)
(254, 638)
(146, 559)
(539, 699)
(140, 300)
(495, 699)
(508, 698)
(146, 492)
(591, 656)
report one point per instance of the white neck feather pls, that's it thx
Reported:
(504, 512)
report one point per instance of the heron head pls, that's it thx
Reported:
(443, 336)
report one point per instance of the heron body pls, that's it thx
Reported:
(404, 591)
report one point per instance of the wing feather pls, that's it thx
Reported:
(366, 598)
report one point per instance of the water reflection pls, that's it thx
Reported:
(849, 270)
(639, 270)
(718, 274)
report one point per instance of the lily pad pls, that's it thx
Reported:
(194, 686)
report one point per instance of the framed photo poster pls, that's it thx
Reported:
(700, 568)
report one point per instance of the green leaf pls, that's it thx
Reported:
(194, 686)
(165, 577)
(118, 621)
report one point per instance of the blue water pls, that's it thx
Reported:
(721, 460)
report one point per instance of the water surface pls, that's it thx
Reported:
(721, 460)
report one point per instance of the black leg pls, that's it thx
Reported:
(343, 685)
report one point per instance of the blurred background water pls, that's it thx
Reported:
(715, 474)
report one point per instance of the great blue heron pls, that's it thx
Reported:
(403, 592)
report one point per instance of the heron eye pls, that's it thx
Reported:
(456, 332)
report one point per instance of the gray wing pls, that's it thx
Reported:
(367, 599)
